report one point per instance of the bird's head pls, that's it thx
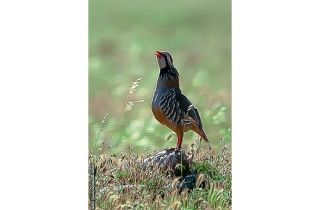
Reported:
(164, 59)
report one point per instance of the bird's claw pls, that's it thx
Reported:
(177, 149)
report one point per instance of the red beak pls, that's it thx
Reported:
(158, 54)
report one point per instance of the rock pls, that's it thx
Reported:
(169, 159)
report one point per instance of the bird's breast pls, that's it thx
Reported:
(160, 90)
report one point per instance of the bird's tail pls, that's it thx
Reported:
(204, 136)
(200, 132)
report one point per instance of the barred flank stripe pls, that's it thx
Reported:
(171, 107)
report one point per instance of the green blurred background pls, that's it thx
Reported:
(123, 37)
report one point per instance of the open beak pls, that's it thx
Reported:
(158, 54)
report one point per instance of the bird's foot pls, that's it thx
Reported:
(177, 149)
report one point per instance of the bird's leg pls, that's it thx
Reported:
(180, 137)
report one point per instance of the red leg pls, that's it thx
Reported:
(180, 137)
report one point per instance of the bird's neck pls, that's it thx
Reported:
(168, 78)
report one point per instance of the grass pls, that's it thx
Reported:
(122, 182)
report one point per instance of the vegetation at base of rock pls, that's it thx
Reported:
(122, 183)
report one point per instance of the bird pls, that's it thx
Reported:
(169, 106)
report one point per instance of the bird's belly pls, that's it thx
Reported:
(157, 112)
(163, 119)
